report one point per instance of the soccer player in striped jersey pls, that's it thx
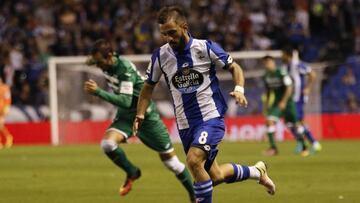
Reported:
(189, 67)
(126, 83)
(303, 77)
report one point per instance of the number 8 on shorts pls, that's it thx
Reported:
(203, 137)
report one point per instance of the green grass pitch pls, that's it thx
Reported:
(44, 174)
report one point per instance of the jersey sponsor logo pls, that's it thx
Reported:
(187, 80)
(126, 87)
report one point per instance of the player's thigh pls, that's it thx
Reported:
(154, 134)
(300, 111)
(273, 114)
(290, 113)
(119, 131)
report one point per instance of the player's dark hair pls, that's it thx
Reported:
(267, 57)
(103, 46)
(288, 50)
(171, 12)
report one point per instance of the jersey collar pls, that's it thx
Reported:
(188, 45)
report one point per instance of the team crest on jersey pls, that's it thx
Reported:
(187, 80)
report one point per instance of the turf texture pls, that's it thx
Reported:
(45, 174)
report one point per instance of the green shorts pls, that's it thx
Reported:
(152, 132)
(289, 114)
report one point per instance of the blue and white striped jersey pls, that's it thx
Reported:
(298, 71)
(191, 78)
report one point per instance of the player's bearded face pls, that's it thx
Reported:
(174, 34)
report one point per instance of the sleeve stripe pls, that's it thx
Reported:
(154, 58)
(218, 51)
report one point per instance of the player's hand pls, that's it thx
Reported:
(137, 123)
(282, 106)
(239, 98)
(90, 86)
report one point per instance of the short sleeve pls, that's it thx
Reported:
(286, 79)
(153, 72)
(217, 55)
(304, 68)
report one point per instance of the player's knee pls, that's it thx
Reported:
(174, 164)
(108, 145)
(300, 129)
(271, 129)
(193, 162)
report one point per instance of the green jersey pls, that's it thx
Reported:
(276, 83)
(126, 83)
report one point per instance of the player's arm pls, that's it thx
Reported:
(153, 74)
(288, 92)
(144, 99)
(238, 78)
(310, 79)
(120, 100)
(222, 59)
(143, 103)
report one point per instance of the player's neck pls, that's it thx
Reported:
(185, 44)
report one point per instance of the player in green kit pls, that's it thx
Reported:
(279, 103)
(126, 83)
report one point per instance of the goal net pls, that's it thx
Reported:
(77, 117)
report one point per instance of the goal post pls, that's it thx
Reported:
(69, 103)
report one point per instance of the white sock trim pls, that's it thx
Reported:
(254, 173)
(271, 129)
(108, 145)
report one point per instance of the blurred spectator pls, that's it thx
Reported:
(353, 104)
(349, 78)
(296, 31)
(33, 30)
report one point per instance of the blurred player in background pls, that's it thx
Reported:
(279, 103)
(189, 67)
(5, 101)
(126, 83)
(303, 77)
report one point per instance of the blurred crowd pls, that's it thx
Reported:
(33, 30)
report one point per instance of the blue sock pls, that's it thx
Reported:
(240, 173)
(203, 191)
(309, 135)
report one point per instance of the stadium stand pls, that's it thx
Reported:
(33, 30)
